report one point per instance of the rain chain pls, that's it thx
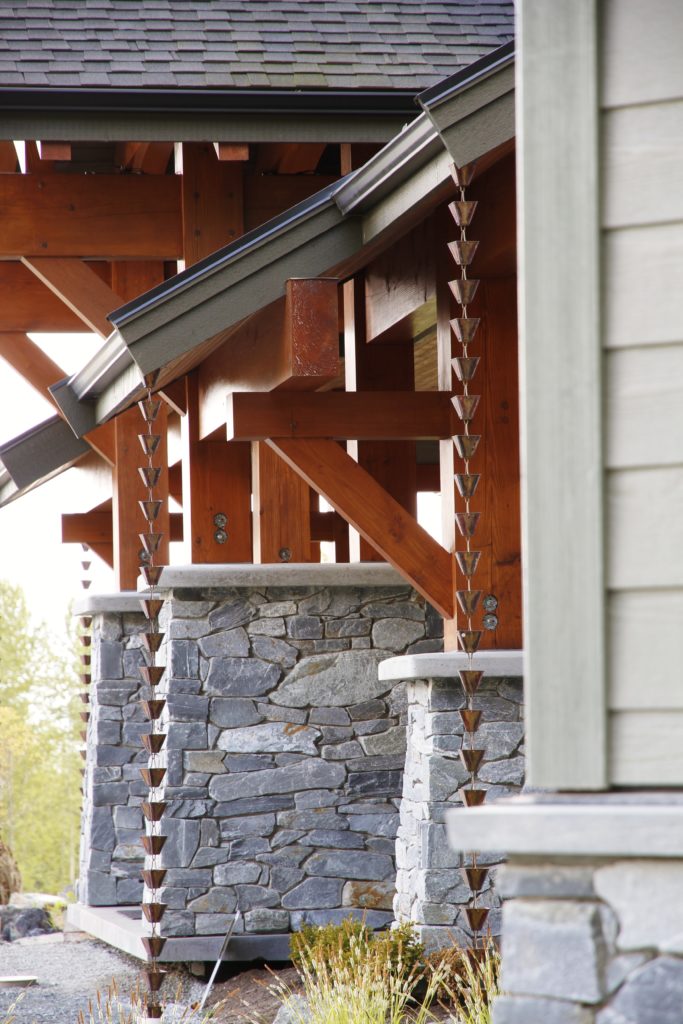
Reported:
(466, 443)
(85, 639)
(153, 775)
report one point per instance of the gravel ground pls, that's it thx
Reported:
(69, 974)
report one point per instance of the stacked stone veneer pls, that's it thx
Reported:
(285, 755)
(430, 890)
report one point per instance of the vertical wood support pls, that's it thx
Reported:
(282, 509)
(216, 479)
(127, 519)
(212, 193)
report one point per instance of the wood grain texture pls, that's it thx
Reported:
(400, 280)
(642, 285)
(27, 305)
(644, 406)
(644, 528)
(561, 394)
(267, 195)
(212, 201)
(645, 748)
(79, 288)
(282, 509)
(378, 517)
(642, 624)
(641, 52)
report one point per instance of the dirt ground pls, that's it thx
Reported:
(248, 995)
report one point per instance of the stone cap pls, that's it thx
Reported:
(284, 574)
(108, 604)
(643, 824)
(447, 664)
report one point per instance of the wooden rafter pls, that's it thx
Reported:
(79, 288)
(231, 151)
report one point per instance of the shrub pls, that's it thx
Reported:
(397, 951)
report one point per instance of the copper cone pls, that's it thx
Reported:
(465, 328)
(466, 444)
(471, 680)
(85, 715)
(151, 378)
(154, 879)
(465, 367)
(150, 476)
(463, 252)
(85, 678)
(153, 911)
(86, 621)
(151, 606)
(469, 640)
(476, 955)
(464, 289)
(462, 211)
(83, 753)
(153, 944)
(153, 741)
(149, 443)
(152, 674)
(465, 406)
(153, 845)
(153, 777)
(151, 541)
(151, 509)
(466, 483)
(467, 561)
(462, 176)
(467, 522)
(471, 759)
(152, 708)
(151, 574)
(85, 640)
(476, 917)
(86, 584)
(153, 810)
(84, 659)
(470, 719)
(154, 979)
(85, 697)
(468, 600)
(152, 641)
(476, 878)
(149, 408)
(85, 566)
(83, 734)
(472, 797)
(154, 1011)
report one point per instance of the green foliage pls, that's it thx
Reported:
(39, 760)
(470, 985)
(397, 950)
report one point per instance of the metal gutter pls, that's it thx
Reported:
(37, 455)
(503, 56)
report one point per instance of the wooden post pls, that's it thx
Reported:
(282, 509)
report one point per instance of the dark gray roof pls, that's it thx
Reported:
(224, 44)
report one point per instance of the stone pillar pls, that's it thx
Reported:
(593, 906)
(430, 891)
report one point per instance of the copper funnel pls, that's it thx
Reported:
(470, 719)
(153, 944)
(466, 484)
(86, 584)
(476, 917)
(153, 845)
(154, 878)
(153, 810)
(85, 697)
(150, 509)
(152, 708)
(151, 606)
(85, 566)
(471, 680)
(85, 639)
(476, 878)
(152, 674)
(152, 641)
(462, 176)
(153, 776)
(153, 911)
(464, 289)
(151, 541)
(468, 600)
(154, 1011)
(149, 407)
(465, 328)
(471, 758)
(85, 677)
(153, 741)
(86, 621)
(467, 561)
(466, 444)
(149, 443)
(154, 979)
(85, 715)
(469, 640)
(151, 574)
(150, 476)
(462, 211)
(83, 733)
(472, 797)
(84, 754)
(466, 406)
(84, 659)
(151, 378)
(465, 367)
(463, 252)
(467, 522)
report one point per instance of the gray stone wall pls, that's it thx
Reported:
(430, 890)
(592, 941)
(111, 824)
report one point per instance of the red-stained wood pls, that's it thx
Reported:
(54, 150)
(292, 344)
(144, 157)
(376, 415)
(267, 195)
(368, 507)
(287, 157)
(27, 305)
(79, 288)
(9, 163)
(216, 480)
(231, 150)
(282, 509)
(96, 216)
(398, 284)
(212, 200)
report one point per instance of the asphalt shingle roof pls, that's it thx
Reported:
(279, 44)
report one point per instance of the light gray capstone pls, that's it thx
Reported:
(275, 737)
(554, 948)
(545, 881)
(343, 678)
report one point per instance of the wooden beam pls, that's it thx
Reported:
(26, 305)
(211, 200)
(216, 481)
(288, 157)
(54, 150)
(144, 157)
(9, 162)
(376, 415)
(282, 509)
(267, 195)
(96, 216)
(127, 518)
(96, 527)
(378, 517)
(231, 151)
(292, 344)
(400, 281)
(79, 288)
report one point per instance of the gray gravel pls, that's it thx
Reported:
(69, 974)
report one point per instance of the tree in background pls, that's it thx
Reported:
(39, 759)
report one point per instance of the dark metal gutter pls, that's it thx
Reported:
(499, 58)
